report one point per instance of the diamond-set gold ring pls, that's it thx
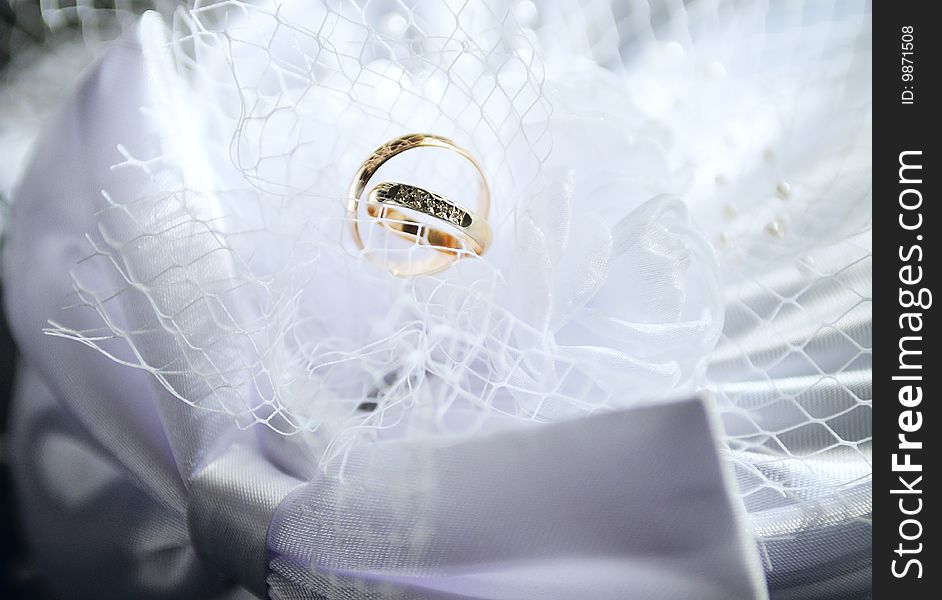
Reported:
(406, 207)
(429, 218)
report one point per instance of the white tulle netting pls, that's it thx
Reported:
(262, 309)
(681, 203)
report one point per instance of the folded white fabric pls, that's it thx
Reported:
(537, 513)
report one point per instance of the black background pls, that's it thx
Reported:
(15, 578)
(21, 29)
(898, 128)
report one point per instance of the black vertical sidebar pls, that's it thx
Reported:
(907, 267)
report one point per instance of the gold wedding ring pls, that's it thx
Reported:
(405, 206)
(446, 227)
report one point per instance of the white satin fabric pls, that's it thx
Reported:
(130, 491)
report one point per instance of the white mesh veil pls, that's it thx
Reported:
(254, 258)
(219, 265)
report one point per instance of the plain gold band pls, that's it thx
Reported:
(401, 219)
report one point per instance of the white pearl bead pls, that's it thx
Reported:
(525, 12)
(395, 24)
(715, 70)
(775, 229)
